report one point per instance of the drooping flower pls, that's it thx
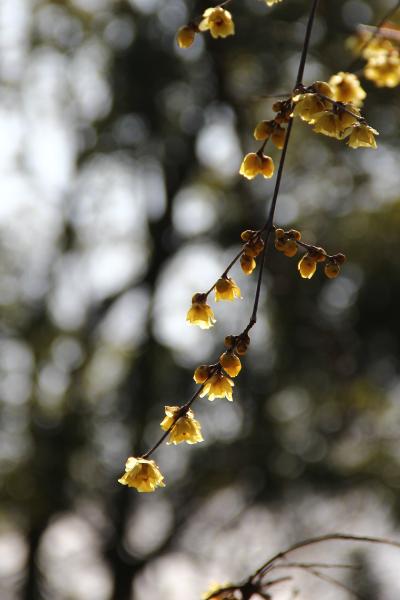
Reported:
(337, 124)
(226, 289)
(185, 36)
(263, 130)
(230, 363)
(362, 136)
(218, 386)
(142, 474)
(186, 429)
(323, 88)
(278, 137)
(307, 266)
(200, 313)
(255, 164)
(218, 22)
(384, 69)
(347, 88)
(247, 263)
(308, 106)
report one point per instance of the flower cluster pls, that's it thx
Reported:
(200, 313)
(258, 163)
(216, 379)
(216, 20)
(288, 243)
(319, 105)
(381, 50)
(253, 246)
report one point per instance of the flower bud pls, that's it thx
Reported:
(202, 373)
(230, 363)
(247, 263)
(185, 36)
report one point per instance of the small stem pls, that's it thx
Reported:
(307, 37)
(318, 540)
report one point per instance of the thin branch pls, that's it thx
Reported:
(308, 565)
(318, 540)
(183, 410)
(307, 37)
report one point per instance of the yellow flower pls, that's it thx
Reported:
(346, 88)
(142, 474)
(186, 428)
(226, 289)
(322, 87)
(230, 363)
(278, 137)
(377, 45)
(218, 386)
(384, 69)
(185, 36)
(264, 130)
(308, 106)
(202, 373)
(336, 124)
(247, 263)
(200, 313)
(307, 266)
(362, 136)
(257, 164)
(218, 21)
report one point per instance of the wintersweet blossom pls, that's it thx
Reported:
(362, 136)
(257, 163)
(218, 386)
(200, 313)
(226, 289)
(186, 429)
(230, 363)
(185, 36)
(384, 69)
(247, 263)
(308, 106)
(307, 266)
(142, 474)
(218, 22)
(347, 88)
